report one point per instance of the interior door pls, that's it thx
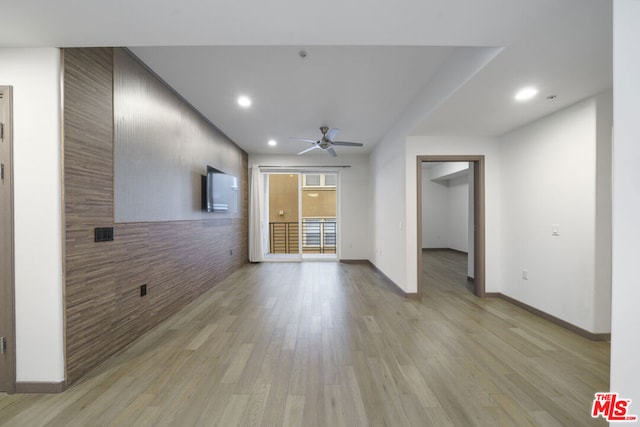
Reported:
(7, 328)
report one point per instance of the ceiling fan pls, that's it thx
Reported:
(326, 143)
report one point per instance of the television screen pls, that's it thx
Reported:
(219, 192)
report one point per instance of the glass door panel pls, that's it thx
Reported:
(319, 213)
(283, 214)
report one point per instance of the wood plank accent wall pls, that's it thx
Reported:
(177, 260)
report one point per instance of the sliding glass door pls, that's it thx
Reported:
(301, 210)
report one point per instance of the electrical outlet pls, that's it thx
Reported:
(143, 290)
(525, 274)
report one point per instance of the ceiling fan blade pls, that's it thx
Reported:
(303, 139)
(331, 151)
(313, 147)
(348, 144)
(331, 134)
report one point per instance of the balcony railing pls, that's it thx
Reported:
(283, 238)
(318, 236)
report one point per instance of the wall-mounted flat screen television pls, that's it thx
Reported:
(219, 192)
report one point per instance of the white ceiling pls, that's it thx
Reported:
(368, 60)
(359, 89)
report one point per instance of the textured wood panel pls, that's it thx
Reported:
(88, 133)
(88, 203)
(177, 260)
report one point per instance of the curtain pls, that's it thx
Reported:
(256, 214)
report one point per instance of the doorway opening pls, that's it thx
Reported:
(301, 210)
(7, 312)
(451, 240)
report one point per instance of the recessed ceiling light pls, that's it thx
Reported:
(244, 101)
(526, 94)
(272, 142)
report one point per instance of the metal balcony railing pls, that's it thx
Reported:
(283, 238)
(318, 236)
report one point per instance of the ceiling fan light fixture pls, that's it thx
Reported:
(327, 141)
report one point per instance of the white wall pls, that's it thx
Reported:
(451, 145)
(602, 297)
(35, 77)
(447, 170)
(625, 346)
(353, 197)
(459, 213)
(388, 210)
(445, 212)
(435, 211)
(549, 177)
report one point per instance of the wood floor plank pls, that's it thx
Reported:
(276, 402)
(255, 406)
(357, 415)
(237, 366)
(335, 412)
(234, 410)
(293, 411)
(426, 396)
(319, 344)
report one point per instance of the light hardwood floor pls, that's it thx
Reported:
(330, 344)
